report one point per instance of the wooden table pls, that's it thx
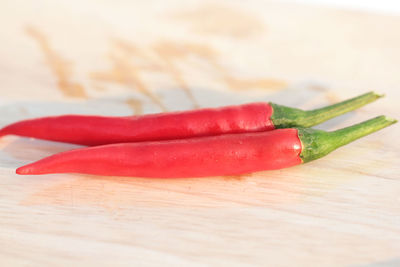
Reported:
(132, 57)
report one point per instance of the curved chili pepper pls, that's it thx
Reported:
(255, 117)
(207, 156)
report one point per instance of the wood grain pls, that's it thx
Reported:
(132, 57)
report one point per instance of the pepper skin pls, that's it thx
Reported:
(99, 130)
(231, 154)
(254, 117)
(207, 156)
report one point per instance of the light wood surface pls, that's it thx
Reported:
(132, 57)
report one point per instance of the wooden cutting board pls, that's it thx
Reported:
(132, 57)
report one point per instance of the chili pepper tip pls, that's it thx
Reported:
(22, 170)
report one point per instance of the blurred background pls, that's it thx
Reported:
(384, 6)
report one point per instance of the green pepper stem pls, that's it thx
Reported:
(317, 143)
(285, 117)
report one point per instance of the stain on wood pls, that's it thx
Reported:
(168, 53)
(125, 72)
(61, 68)
(136, 105)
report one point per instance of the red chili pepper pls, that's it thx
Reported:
(255, 117)
(207, 156)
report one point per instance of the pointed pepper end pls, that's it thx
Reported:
(24, 170)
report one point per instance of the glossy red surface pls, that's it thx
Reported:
(206, 156)
(98, 130)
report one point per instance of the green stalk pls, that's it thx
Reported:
(286, 117)
(317, 143)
